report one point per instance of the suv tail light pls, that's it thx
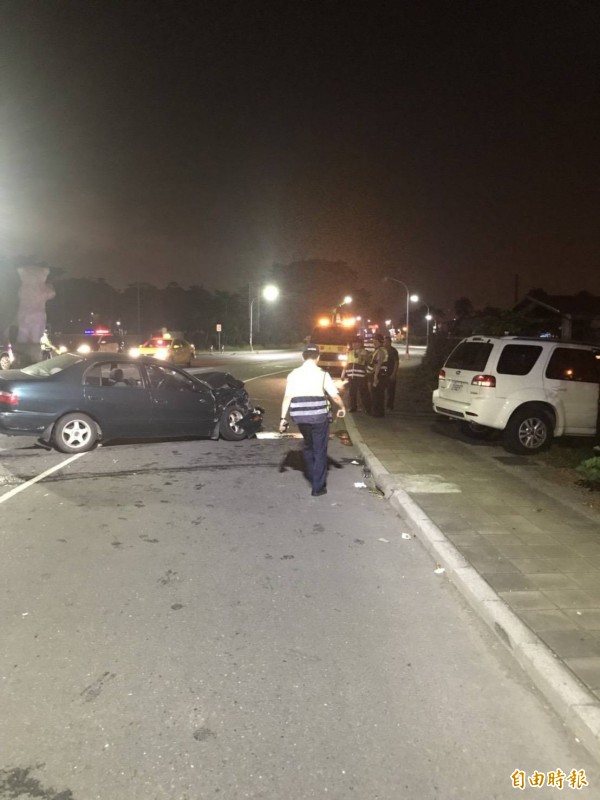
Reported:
(488, 381)
(442, 374)
(9, 398)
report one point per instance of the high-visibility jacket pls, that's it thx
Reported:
(308, 387)
(45, 342)
(380, 356)
(357, 364)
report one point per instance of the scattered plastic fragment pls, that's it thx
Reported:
(360, 485)
(406, 536)
(439, 570)
(355, 462)
(381, 539)
(579, 614)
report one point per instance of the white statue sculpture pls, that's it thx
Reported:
(34, 293)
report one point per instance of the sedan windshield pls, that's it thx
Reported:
(43, 369)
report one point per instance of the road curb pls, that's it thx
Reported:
(578, 707)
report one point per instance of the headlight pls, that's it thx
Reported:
(63, 349)
(162, 352)
(84, 348)
(342, 357)
(134, 352)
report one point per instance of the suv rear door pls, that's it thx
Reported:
(467, 360)
(572, 377)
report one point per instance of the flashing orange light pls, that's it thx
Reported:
(324, 322)
(348, 322)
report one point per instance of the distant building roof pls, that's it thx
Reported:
(582, 305)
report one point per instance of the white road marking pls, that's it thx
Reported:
(275, 435)
(38, 478)
(267, 374)
(426, 484)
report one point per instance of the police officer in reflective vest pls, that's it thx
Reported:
(356, 374)
(379, 367)
(306, 392)
(46, 345)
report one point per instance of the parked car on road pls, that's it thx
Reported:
(529, 389)
(175, 351)
(71, 402)
(98, 343)
(7, 357)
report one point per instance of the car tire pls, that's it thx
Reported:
(4, 361)
(529, 431)
(75, 433)
(473, 430)
(229, 426)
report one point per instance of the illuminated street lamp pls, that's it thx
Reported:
(410, 298)
(269, 293)
(428, 317)
(336, 311)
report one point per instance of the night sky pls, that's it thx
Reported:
(449, 144)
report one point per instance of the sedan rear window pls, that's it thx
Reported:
(518, 359)
(470, 356)
(43, 369)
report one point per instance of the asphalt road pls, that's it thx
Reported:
(182, 621)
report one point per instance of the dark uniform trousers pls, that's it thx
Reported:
(316, 438)
(359, 387)
(378, 396)
(391, 392)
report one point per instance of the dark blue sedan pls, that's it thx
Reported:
(72, 402)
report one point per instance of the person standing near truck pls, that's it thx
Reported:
(392, 369)
(379, 366)
(356, 374)
(46, 345)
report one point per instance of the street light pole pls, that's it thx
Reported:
(428, 317)
(270, 293)
(251, 307)
(409, 297)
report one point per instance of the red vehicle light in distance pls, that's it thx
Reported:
(97, 332)
(9, 398)
(489, 381)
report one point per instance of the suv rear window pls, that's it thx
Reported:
(470, 356)
(518, 359)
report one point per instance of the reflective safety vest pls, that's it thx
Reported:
(309, 410)
(45, 342)
(383, 369)
(357, 364)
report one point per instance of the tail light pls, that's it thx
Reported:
(489, 381)
(9, 398)
(442, 374)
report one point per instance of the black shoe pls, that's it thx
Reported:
(320, 493)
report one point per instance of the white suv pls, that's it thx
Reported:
(531, 389)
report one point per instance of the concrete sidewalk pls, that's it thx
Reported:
(523, 554)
